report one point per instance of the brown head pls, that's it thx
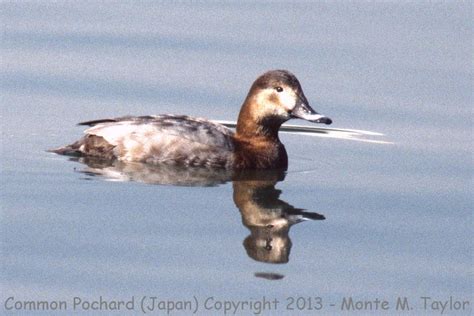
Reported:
(274, 98)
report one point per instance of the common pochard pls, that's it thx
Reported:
(274, 98)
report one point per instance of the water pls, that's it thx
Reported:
(398, 212)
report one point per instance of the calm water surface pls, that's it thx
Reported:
(349, 219)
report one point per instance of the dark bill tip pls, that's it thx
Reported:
(324, 120)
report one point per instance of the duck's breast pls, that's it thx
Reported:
(168, 139)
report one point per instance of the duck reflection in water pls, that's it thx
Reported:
(268, 218)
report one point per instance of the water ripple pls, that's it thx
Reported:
(340, 133)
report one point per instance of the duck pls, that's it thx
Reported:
(274, 97)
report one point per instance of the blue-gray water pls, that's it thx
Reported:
(398, 216)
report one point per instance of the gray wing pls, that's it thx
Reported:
(190, 128)
(166, 138)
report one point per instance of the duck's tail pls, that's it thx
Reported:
(89, 145)
(68, 150)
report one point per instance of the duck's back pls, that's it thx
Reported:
(171, 139)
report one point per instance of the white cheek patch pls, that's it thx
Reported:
(288, 100)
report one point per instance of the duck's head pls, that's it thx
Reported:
(275, 97)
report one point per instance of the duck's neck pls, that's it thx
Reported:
(250, 125)
(257, 141)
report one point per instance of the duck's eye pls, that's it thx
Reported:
(279, 89)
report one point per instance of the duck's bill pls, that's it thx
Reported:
(305, 112)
